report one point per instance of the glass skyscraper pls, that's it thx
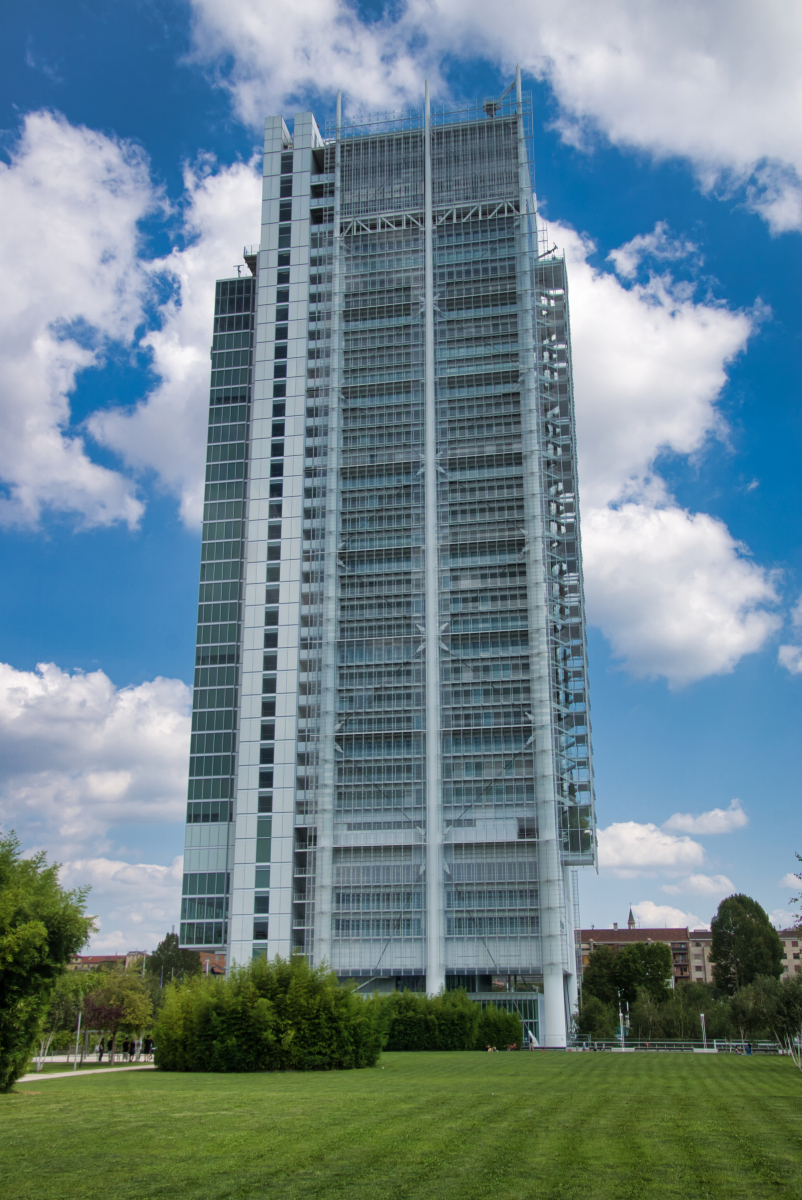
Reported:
(390, 766)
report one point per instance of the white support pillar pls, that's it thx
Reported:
(571, 988)
(435, 941)
(328, 699)
(550, 881)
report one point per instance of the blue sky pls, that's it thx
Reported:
(668, 164)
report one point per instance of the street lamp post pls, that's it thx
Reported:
(77, 1039)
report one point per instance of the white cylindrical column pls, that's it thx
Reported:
(435, 941)
(325, 816)
(551, 897)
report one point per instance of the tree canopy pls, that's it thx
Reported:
(744, 944)
(41, 927)
(798, 898)
(611, 975)
(597, 977)
(169, 962)
(65, 1003)
(118, 1003)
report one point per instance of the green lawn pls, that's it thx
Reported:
(468, 1126)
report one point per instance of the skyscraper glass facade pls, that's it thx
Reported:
(391, 714)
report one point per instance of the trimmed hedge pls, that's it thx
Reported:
(450, 1021)
(499, 1028)
(267, 1016)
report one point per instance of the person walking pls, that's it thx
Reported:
(101, 1047)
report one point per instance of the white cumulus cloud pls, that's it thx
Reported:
(790, 657)
(659, 244)
(79, 756)
(650, 362)
(649, 915)
(72, 200)
(781, 918)
(272, 54)
(790, 654)
(717, 820)
(716, 85)
(139, 902)
(628, 848)
(674, 592)
(166, 431)
(701, 885)
(790, 880)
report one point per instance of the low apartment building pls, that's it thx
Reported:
(676, 939)
(701, 943)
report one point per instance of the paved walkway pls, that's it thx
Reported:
(79, 1074)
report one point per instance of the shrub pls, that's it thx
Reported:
(267, 1016)
(413, 1021)
(450, 1021)
(498, 1028)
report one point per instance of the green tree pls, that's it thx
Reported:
(646, 1017)
(786, 1016)
(597, 976)
(119, 1003)
(65, 1004)
(749, 1010)
(596, 1019)
(641, 965)
(744, 944)
(679, 1016)
(41, 927)
(169, 962)
(798, 898)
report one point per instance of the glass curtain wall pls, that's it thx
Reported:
(215, 703)
(490, 828)
(377, 884)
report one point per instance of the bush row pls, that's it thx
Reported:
(278, 1016)
(452, 1021)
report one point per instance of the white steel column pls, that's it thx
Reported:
(571, 982)
(435, 941)
(328, 699)
(550, 881)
